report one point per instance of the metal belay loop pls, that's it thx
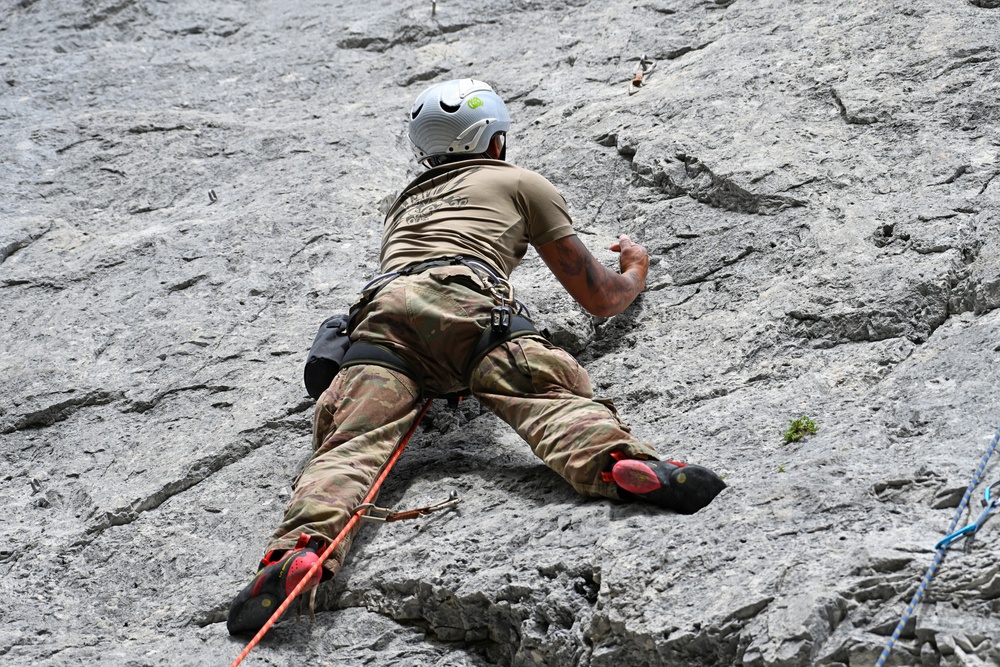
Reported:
(373, 512)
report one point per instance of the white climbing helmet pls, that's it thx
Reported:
(455, 117)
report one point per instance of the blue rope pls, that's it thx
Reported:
(940, 550)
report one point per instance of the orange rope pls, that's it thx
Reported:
(355, 517)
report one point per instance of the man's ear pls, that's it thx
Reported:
(498, 147)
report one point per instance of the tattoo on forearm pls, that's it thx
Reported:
(570, 261)
(618, 289)
(615, 290)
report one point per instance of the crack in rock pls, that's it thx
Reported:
(723, 262)
(987, 183)
(11, 247)
(914, 315)
(142, 406)
(65, 148)
(850, 117)
(684, 50)
(184, 284)
(971, 60)
(410, 35)
(544, 623)
(145, 129)
(60, 411)
(959, 172)
(199, 471)
(104, 14)
(684, 174)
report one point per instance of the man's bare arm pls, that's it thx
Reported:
(598, 289)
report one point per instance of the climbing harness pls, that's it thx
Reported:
(509, 319)
(356, 515)
(942, 547)
(333, 350)
(644, 68)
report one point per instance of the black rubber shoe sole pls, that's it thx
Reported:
(254, 605)
(683, 489)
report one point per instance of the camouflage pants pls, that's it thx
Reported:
(433, 320)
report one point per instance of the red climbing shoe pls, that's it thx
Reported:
(255, 604)
(675, 486)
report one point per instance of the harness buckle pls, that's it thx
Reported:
(500, 319)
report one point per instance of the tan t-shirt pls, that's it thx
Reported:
(484, 209)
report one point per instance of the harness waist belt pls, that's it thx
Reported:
(361, 352)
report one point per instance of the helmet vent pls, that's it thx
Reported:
(413, 114)
(449, 107)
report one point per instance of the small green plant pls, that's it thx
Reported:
(781, 467)
(800, 428)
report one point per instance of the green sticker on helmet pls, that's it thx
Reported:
(475, 103)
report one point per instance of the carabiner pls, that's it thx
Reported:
(645, 66)
(989, 504)
(372, 512)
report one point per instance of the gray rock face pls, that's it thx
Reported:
(189, 188)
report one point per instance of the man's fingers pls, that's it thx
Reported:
(623, 243)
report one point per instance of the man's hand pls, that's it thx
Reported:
(633, 256)
(597, 288)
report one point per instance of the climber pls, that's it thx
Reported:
(445, 317)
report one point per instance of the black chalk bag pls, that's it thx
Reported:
(327, 354)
